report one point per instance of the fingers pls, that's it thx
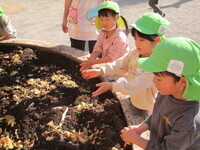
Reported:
(85, 74)
(103, 87)
(64, 28)
(125, 140)
(84, 66)
(125, 144)
(90, 73)
(97, 93)
(94, 94)
(125, 129)
(99, 84)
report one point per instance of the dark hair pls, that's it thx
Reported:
(110, 12)
(142, 35)
(166, 73)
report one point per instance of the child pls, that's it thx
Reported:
(147, 31)
(112, 42)
(175, 121)
(7, 31)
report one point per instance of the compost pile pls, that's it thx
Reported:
(45, 104)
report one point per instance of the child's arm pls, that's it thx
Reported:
(90, 62)
(103, 87)
(94, 55)
(91, 73)
(7, 27)
(65, 14)
(136, 85)
(5, 36)
(139, 129)
(100, 60)
(132, 134)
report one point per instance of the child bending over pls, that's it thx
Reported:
(147, 31)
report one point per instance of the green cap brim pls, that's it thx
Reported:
(142, 29)
(148, 65)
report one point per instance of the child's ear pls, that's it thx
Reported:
(183, 82)
(158, 39)
(117, 17)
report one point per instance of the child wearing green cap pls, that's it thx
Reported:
(175, 121)
(112, 42)
(7, 31)
(148, 31)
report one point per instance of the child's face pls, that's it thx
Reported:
(144, 46)
(108, 22)
(167, 86)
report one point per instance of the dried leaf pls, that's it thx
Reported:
(10, 120)
(13, 73)
(49, 138)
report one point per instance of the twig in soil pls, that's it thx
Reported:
(63, 117)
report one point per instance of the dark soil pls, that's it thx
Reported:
(36, 88)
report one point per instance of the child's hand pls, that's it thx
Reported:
(137, 129)
(87, 64)
(128, 134)
(91, 73)
(103, 87)
(64, 26)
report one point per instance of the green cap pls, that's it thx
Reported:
(113, 6)
(180, 56)
(110, 5)
(1, 12)
(151, 23)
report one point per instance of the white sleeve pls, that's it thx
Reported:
(9, 29)
(138, 84)
(118, 67)
(7, 25)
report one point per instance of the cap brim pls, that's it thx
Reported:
(148, 65)
(120, 23)
(193, 88)
(142, 29)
